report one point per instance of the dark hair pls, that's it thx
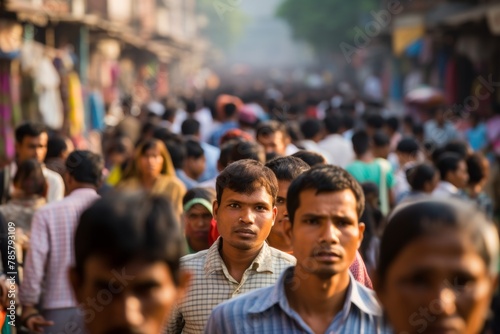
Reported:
(324, 178)
(230, 110)
(360, 142)
(56, 145)
(177, 151)
(408, 146)
(287, 168)
(392, 123)
(248, 150)
(272, 155)
(375, 121)
(245, 176)
(419, 175)
(310, 128)
(225, 152)
(190, 107)
(190, 127)
(380, 139)
(127, 226)
(457, 146)
(193, 149)
(418, 130)
(85, 167)
(270, 127)
(310, 158)
(348, 121)
(475, 168)
(333, 124)
(29, 129)
(448, 162)
(205, 193)
(30, 178)
(411, 222)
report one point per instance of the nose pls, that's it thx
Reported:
(248, 216)
(447, 301)
(330, 233)
(127, 310)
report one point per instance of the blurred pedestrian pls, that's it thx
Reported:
(197, 216)
(194, 164)
(339, 148)
(423, 180)
(454, 177)
(58, 149)
(478, 168)
(274, 137)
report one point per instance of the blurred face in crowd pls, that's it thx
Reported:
(151, 162)
(325, 232)
(136, 299)
(195, 166)
(274, 142)
(437, 284)
(431, 185)
(278, 236)
(197, 221)
(245, 220)
(33, 148)
(460, 177)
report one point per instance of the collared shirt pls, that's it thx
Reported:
(445, 189)
(311, 145)
(51, 251)
(267, 311)
(212, 284)
(340, 149)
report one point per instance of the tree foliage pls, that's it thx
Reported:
(324, 24)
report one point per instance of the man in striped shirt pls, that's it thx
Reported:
(45, 292)
(318, 295)
(240, 260)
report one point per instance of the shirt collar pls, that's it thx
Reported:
(448, 187)
(262, 263)
(358, 295)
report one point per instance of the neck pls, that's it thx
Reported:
(237, 261)
(148, 181)
(280, 242)
(366, 157)
(317, 296)
(197, 245)
(190, 174)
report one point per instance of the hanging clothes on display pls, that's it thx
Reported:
(49, 103)
(76, 114)
(97, 111)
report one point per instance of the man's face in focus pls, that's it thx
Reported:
(135, 299)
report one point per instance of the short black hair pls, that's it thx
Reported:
(55, 147)
(270, 127)
(333, 124)
(448, 162)
(392, 123)
(177, 151)
(475, 168)
(226, 151)
(248, 150)
(230, 110)
(360, 142)
(245, 176)
(190, 127)
(459, 147)
(408, 145)
(310, 128)
(310, 158)
(380, 139)
(374, 120)
(348, 121)
(193, 149)
(85, 167)
(29, 129)
(419, 175)
(125, 226)
(190, 106)
(287, 168)
(324, 178)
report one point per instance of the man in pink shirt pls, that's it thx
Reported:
(45, 292)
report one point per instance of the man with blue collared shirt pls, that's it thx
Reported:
(318, 295)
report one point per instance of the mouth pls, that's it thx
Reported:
(443, 328)
(328, 256)
(245, 232)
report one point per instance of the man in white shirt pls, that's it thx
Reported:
(339, 148)
(313, 132)
(454, 175)
(31, 143)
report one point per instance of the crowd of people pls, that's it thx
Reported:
(252, 215)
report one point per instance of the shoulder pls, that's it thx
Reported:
(51, 175)
(282, 257)
(194, 261)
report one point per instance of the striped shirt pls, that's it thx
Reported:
(267, 311)
(51, 252)
(212, 284)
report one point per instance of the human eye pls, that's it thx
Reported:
(280, 201)
(463, 281)
(234, 205)
(311, 221)
(261, 208)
